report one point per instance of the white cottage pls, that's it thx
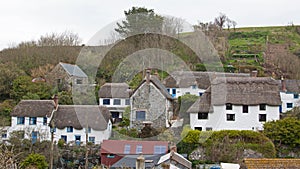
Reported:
(116, 97)
(191, 82)
(32, 117)
(236, 103)
(289, 93)
(72, 123)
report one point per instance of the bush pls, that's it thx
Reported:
(34, 161)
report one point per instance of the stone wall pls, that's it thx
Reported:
(149, 99)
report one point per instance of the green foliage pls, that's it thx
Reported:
(284, 132)
(34, 160)
(295, 113)
(65, 98)
(139, 20)
(24, 88)
(192, 137)
(184, 103)
(61, 143)
(5, 109)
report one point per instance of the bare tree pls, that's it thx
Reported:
(220, 20)
(66, 38)
(172, 25)
(228, 23)
(233, 24)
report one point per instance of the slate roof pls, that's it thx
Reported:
(114, 90)
(175, 157)
(117, 146)
(79, 116)
(238, 91)
(33, 108)
(184, 79)
(130, 161)
(73, 70)
(274, 163)
(157, 84)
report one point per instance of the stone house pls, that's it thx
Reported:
(236, 103)
(179, 83)
(116, 97)
(151, 102)
(64, 76)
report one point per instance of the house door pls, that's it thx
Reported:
(63, 137)
(173, 93)
(34, 136)
(77, 139)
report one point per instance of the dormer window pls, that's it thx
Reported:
(20, 120)
(262, 107)
(228, 106)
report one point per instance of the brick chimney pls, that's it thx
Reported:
(140, 162)
(283, 84)
(55, 99)
(148, 73)
(173, 148)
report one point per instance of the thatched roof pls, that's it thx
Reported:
(238, 91)
(33, 108)
(80, 116)
(114, 90)
(184, 79)
(153, 79)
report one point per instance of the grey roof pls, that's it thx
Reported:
(238, 91)
(158, 84)
(184, 79)
(33, 108)
(130, 161)
(114, 90)
(80, 116)
(73, 70)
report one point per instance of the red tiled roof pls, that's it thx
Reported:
(118, 146)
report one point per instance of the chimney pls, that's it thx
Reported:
(156, 74)
(173, 148)
(148, 72)
(253, 73)
(55, 99)
(140, 162)
(283, 84)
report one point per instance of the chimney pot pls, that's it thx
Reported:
(283, 84)
(148, 72)
(55, 99)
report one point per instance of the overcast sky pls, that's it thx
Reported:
(24, 20)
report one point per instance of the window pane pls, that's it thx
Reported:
(127, 149)
(289, 105)
(262, 117)
(140, 115)
(92, 139)
(245, 108)
(198, 128)
(228, 106)
(69, 129)
(159, 149)
(139, 149)
(117, 102)
(20, 120)
(202, 115)
(262, 107)
(32, 120)
(127, 102)
(45, 121)
(230, 117)
(106, 101)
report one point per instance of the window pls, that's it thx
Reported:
(70, 129)
(228, 106)
(160, 149)
(20, 120)
(140, 115)
(32, 120)
(289, 105)
(262, 117)
(230, 117)
(208, 129)
(53, 130)
(78, 81)
(89, 129)
(106, 101)
(77, 139)
(139, 149)
(117, 102)
(63, 137)
(296, 96)
(202, 115)
(187, 93)
(194, 86)
(174, 91)
(127, 149)
(34, 136)
(262, 107)
(4, 135)
(198, 128)
(110, 156)
(127, 102)
(200, 93)
(92, 140)
(45, 121)
(245, 108)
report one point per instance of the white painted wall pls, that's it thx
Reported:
(122, 105)
(189, 90)
(288, 98)
(99, 135)
(44, 130)
(243, 121)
